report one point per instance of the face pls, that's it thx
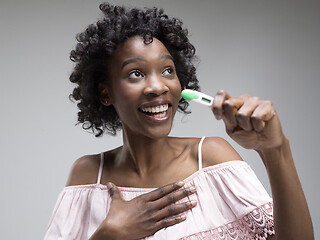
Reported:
(144, 89)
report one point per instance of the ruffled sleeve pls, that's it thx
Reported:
(232, 204)
(78, 212)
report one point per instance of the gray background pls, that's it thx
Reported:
(269, 48)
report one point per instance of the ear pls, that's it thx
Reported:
(104, 95)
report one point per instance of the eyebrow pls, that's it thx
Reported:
(165, 56)
(136, 59)
(131, 60)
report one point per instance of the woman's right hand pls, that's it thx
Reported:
(145, 214)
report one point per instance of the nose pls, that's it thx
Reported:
(155, 86)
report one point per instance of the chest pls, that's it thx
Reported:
(176, 171)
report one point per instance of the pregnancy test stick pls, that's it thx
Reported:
(199, 97)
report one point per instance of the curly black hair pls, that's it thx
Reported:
(97, 44)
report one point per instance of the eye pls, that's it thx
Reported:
(135, 74)
(168, 71)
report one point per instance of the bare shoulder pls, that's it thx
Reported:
(216, 150)
(84, 170)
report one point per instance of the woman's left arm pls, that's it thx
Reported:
(254, 124)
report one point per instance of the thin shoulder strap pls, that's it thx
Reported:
(200, 153)
(100, 167)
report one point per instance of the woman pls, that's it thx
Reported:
(130, 69)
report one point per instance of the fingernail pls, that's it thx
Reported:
(180, 184)
(183, 217)
(109, 185)
(192, 189)
(192, 202)
(218, 117)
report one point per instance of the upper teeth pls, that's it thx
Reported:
(156, 109)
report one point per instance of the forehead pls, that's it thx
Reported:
(136, 47)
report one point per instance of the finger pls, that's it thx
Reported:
(160, 192)
(244, 113)
(262, 114)
(230, 108)
(217, 105)
(114, 191)
(174, 209)
(173, 197)
(167, 222)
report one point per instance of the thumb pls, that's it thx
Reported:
(114, 191)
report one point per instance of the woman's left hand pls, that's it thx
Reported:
(250, 121)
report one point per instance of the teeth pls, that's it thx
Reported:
(160, 115)
(158, 109)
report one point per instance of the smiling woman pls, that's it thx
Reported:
(100, 43)
(142, 78)
(130, 69)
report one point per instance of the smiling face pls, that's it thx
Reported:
(144, 87)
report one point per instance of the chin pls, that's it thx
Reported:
(159, 134)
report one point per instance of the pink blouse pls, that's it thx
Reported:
(231, 204)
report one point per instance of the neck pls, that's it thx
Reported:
(144, 154)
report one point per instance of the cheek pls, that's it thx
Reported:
(125, 94)
(176, 89)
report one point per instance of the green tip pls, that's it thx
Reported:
(189, 94)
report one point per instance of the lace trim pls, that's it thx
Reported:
(257, 225)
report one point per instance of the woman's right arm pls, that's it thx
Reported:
(144, 215)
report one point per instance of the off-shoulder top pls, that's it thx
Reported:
(231, 204)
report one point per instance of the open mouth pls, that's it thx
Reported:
(157, 112)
